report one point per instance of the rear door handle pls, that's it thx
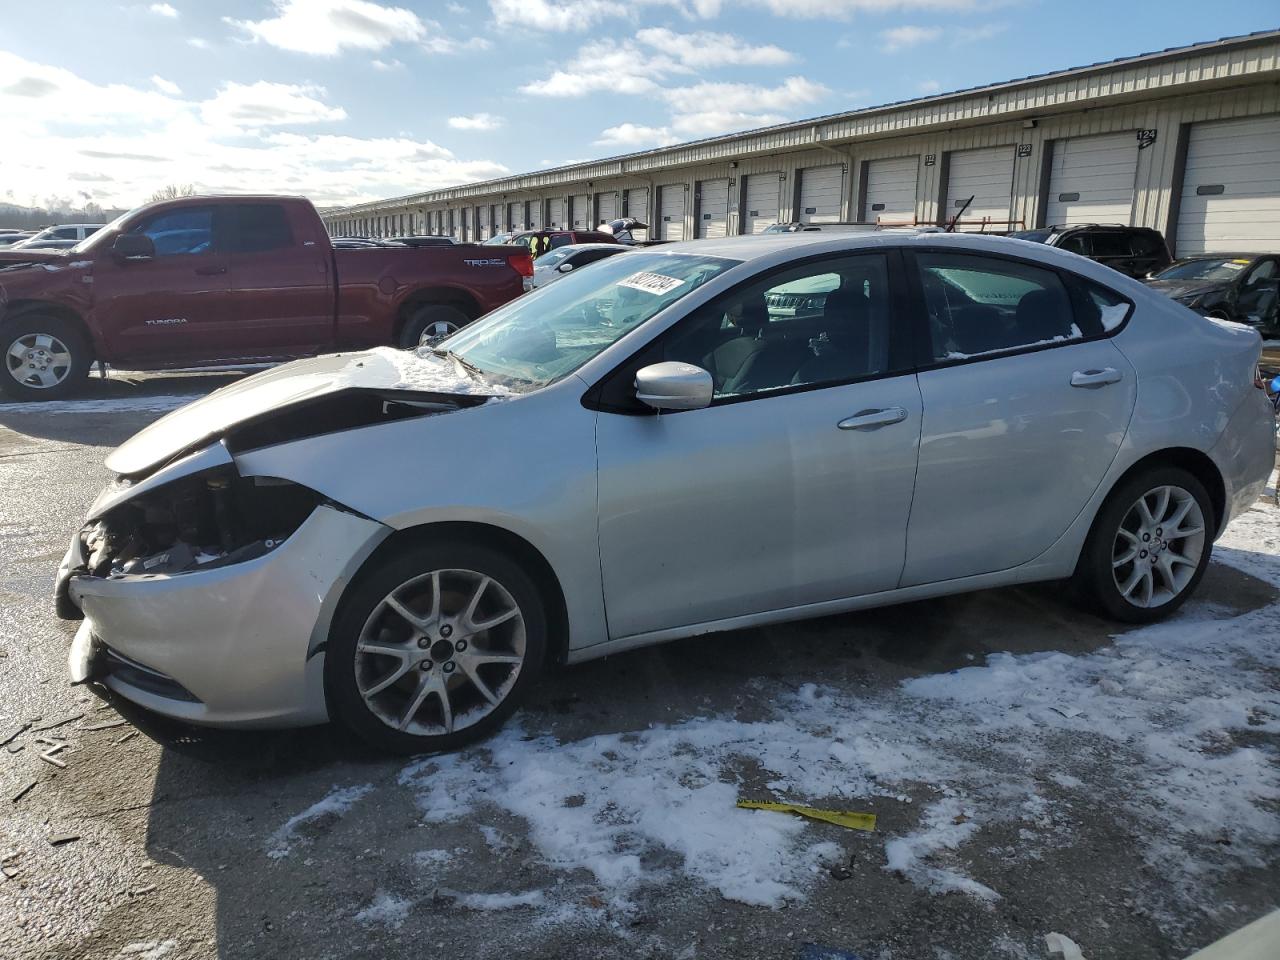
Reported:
(210, 271)
(1095, 378)
(870, 419)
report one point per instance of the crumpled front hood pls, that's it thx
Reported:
(395, 375)
(1177, 289)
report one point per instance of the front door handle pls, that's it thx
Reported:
(870, 419)
(1095, 378)
(210, 271)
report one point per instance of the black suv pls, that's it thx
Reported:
(1136, 251)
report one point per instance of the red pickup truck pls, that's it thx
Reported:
(215, 280)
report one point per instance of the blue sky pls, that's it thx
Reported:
(347, 100)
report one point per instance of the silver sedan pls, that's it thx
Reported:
(692, 438)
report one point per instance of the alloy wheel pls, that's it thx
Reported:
(1158, 547)
(436, 331)
(38, 360)
(440, 652)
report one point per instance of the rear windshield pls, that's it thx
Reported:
(1213, 268)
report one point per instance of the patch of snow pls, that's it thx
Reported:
(432, 858)
(160, 403)
(1159, 728)
(426, 371)
(499, 901)
(386, 909)
(149, 949)
(333, 804)
(496, 840)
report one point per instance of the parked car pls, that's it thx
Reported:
(540, 241)
(424, 241)
(48, 243)
(402, 541)
(69, 233)
(498, 239)
(1134, 251)
(796, 227)
(1243, 287)
(551, 266)
(10, 237)
(210, 280)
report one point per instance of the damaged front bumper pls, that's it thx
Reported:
(230, 640)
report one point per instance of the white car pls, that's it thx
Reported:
(694, 437)
(66, 234)
(562, 260)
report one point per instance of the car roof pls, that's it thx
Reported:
(577, 247)
(1224, 256)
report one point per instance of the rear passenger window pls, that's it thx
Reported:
(257, 227)
(978, 305)
(825, 322)
(1111, 245)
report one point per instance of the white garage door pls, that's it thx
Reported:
(607, 205)
(579, 215)
(555, 213)
(821, 189)
(1091, 179)
(987, 176)
(891, 190)
(513, 218)
(764, 193)
(637, 202)
(671, 211)
(713, 208)
(535, 214)
(1231, 190)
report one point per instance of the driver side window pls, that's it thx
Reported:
(180, 232)
(823, 322)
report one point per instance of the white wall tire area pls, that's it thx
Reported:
(45, 357)
(1149, 546)
(434, 648)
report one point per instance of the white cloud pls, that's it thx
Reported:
(555, 15)
(843, 9)
(903, 38)
(477, 121)
(166, 86)
(438, 42)
(198, 42)
(115, 144)
(744, 97)
(976, 34)
(326, 27)
(698, 50)
(387, 65)
(635, 135)
(163, 10)
(263, 104)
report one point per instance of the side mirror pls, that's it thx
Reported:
(564, 268)
(674, 386)
(133, 248)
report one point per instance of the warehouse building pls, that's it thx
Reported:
(1185, 140)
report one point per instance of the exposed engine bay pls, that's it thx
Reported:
(203, 521)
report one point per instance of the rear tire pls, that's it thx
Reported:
(439, 320)
(45, 357)
(434, 647)
(1149, 546)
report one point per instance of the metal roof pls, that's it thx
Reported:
(712, 148)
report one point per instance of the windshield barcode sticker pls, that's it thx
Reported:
(654, 283)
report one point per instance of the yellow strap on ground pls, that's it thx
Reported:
(841, 818)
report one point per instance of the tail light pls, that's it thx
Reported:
(521, 263)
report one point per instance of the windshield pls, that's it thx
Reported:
(546, 335)
(780, 228)
(554, 257)
(1214, 268)
(1035, 236)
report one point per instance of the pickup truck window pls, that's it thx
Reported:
(178, 232)
(257, 227)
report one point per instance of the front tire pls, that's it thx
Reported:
(435, 647)
(45, 357)
(1149, 546)
(432, 323)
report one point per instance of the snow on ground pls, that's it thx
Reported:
(328, 808)
(386, 909)
(1158, 730)
(160, 403)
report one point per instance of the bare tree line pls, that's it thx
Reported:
(54, 210)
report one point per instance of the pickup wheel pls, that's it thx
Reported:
(45, 357)
(434, 321)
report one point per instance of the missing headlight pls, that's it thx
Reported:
(199, 522)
